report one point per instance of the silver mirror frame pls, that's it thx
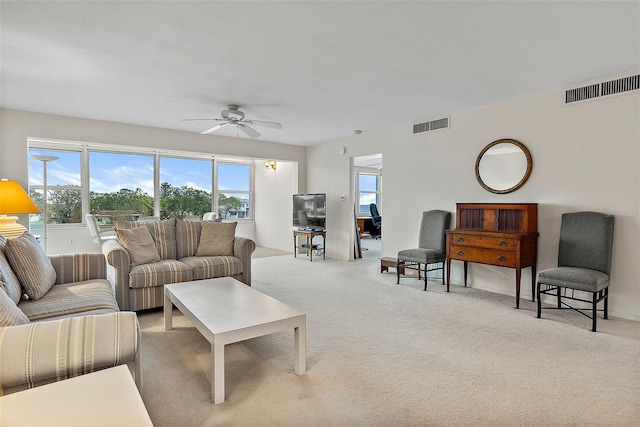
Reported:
(525, 177)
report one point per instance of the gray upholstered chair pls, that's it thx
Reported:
(431, 246)
(584, 263)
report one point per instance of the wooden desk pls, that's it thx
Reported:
(309, 235)
(498, 234)
(106, 397)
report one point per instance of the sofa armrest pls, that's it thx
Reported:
(118, 268)
(79, 267)
(44, 352)
(243, 248)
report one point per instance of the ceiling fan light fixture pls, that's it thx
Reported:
(234, 117)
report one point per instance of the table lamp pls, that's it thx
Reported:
(14, 201)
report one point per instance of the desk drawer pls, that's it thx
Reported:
(480, 241)
(484, 256)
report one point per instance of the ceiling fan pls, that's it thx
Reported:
(234, 117)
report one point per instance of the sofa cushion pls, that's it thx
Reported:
(187, 237)
(163, 233)
(139, 243)
(8, 279)
(10, 314)
(212, 267)
(216, 238)
(31, 265)
(71, 298)
(159, 274)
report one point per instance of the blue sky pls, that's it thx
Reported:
(111, 172)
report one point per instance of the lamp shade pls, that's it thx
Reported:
(14, 200)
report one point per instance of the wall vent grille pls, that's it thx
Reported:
(432, 125)
(607, 88)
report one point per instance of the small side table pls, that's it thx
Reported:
(309, 234)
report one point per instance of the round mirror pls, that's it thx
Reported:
(503, 166)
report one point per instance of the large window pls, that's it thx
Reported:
(234, 190)
(63, 186)
(368, 191)
(122, 182)
(185, 188)
(121, 186)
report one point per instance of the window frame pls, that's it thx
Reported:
(250, 192)
(85, 174)
(367, 171)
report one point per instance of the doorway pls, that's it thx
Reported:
(367, 184)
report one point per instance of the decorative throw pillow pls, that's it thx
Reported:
(10, 314)
(216, 238)
(187, 237)
(139, 243)
(163, 233)
(8, 279)
(120, 224)
(31, 265)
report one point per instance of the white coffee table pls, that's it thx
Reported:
(225, 311)
(108, 398)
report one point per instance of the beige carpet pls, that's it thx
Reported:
(388, 355)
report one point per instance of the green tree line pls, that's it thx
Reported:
(65, 205)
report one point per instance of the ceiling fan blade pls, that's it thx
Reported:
(249, 131)
(189, 120)
(212, 129)
(274, 125)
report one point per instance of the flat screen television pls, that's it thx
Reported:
(310, 211)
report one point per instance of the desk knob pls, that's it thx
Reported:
(460, 253)
(460, 239)
(502, 258)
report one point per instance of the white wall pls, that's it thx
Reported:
(585, 157)
(18, 126)
(273, 191)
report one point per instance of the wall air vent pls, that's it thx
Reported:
(607, 88)
(432, 125)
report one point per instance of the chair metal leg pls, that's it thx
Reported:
(397, 271)
(606, 303)
(425, 276)
(538, 297)
(559, 298)
(593, 311)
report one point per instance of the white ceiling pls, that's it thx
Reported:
(321, 68)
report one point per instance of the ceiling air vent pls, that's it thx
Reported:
(607, 88)
(432, 125)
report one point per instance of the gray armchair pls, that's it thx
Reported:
(431, 246)
(584, 263)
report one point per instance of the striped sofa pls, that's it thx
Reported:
(140, 287)
(75, 328)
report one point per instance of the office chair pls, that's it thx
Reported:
(584, 263)
(431, 246)
(376, 219)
